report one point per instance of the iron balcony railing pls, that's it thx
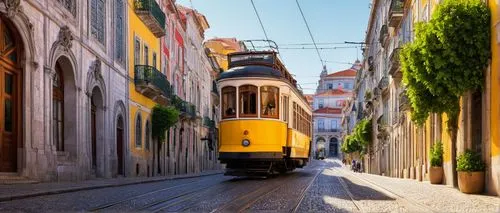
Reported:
(151, 14)
(208, 122)
(150, 76)
(328, 130)
(396, 12)
(186, 108)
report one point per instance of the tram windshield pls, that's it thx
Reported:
(248, 101)
(269, 102)
(229, 102)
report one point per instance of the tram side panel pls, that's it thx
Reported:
(267, 139)
(299, 144)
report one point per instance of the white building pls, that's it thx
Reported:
(67, 95)
(332, 92)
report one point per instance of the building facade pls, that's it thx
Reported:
(400, 148)
(331, 94)
(82, 78)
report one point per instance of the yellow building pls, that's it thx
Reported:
(148, 86)
(493, 98)
(221, 47)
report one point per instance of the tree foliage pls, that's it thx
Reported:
(360, 138)
(447, 58)
(162, 119)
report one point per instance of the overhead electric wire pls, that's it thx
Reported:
(310, 33)
(260, 21)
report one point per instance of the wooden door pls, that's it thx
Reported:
(93, 129)
(119, 145)
(10, 94)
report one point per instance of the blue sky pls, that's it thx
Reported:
(331, 21)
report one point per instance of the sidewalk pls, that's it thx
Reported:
(439, 198)
(20, 191)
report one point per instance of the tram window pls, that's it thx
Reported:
(248, 101)
(285, 109)
(295, 116)
(269, 102)
(229, 102)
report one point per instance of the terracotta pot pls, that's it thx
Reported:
(471, 182)
(436, 174)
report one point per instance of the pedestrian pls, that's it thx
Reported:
(353, 165)
(358, 167)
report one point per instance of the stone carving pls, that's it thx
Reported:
(97, 69)
(13, 7)
(65, 38)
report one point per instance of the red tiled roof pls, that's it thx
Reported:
(230, 43)
(343, 73)
(328, 110)
(332, 92)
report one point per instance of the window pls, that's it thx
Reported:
(119, 36)
(138, 131)
(154, 60)
(58, 109)
(137, 51)
(334, 125)
(348, 85)
(229, 102)
(248, 101)
(321, 124)
(69, 5)
(147, 135)
(285, 109)
(269, 102)
(330, 86)
(97, 11)
(146, 55)
(321, 103)
(295, 115)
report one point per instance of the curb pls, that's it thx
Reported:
(82, 188)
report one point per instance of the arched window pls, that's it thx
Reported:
(138, 131)
(269, 97)
(147, 135)
(119, 31)
(229, 102)
(58, 108)
(248, 101)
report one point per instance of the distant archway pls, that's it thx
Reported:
(334, 147)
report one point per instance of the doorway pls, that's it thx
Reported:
(119, 145)
(10, 97)
(334, 147)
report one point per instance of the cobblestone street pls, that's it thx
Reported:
(323, 186)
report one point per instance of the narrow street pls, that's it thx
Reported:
(324, 186)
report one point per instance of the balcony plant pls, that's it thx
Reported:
(470, 168)
(436, 170)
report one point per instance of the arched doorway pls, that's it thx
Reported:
(97, 131)
(334, 147)
(10, 96)
(119, 145)
(320, 148)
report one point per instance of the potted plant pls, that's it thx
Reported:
(470, 168)
(436, 170)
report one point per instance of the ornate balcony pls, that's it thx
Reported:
(209, 123)
(384, 35)
(396, 12)
(152, 83)
(323, 130)
(151, 14)
(394, 69)
(383, 84)
(187, 109)
(404, 102)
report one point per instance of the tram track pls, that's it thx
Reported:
(110, 205)
(296, 206)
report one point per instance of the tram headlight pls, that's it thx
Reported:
(245, 142)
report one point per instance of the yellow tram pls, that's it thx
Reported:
(265, 125)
